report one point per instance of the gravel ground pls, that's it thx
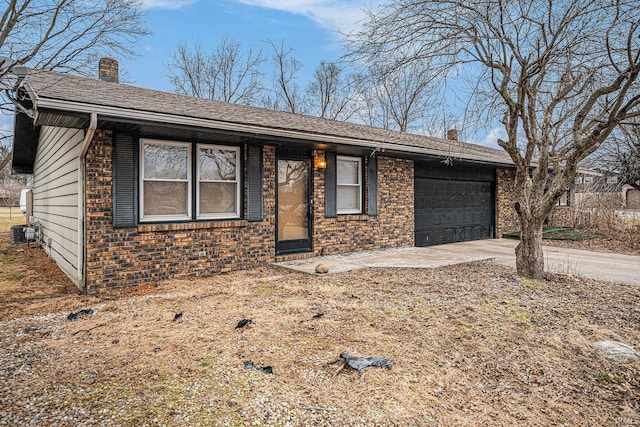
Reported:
(470, 345)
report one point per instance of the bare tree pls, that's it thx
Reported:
(228, 74)
(10, 187)
(68, 35)
(331, 93)
(63, 35)
(561, 76)
(5, 152)
(285, 94)
(629, 166)
(397, 98)
(621, 154)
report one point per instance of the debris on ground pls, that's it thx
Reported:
(243, 322)
(618, 352)
(359, 363)
(177, 317)
(248, 364)
(80, 313)
(322, 269)
(318, 315)
(465, 351)
(29, 330)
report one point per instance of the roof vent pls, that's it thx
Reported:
(108, 70)
(452, 134)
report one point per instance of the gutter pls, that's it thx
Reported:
(82, 216)
(56, 104)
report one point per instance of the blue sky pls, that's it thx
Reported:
(311, 27)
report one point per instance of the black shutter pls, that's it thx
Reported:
(330, 176)
(372, 190)
(255, 198)
(124, 181)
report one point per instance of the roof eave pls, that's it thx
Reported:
(255, 130)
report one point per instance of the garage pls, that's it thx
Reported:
(453, 203)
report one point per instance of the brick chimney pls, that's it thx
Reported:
(452, 134)
(108, 70)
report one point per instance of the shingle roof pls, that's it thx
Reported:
(65, 87)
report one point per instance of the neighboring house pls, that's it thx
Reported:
(132, 186)
(592, 185)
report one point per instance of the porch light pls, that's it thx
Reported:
(321, 163)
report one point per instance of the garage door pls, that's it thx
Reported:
(452, 210)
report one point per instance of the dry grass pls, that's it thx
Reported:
(9, 217)
(601, 216)
(29, 279)
(470, 345)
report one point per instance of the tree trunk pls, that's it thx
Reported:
(529, 255)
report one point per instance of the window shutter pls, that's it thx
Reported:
(372, 190)
(255, 198)
(124, 181)
(330, 178)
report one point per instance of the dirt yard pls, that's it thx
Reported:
(470, 345)
(29, 280)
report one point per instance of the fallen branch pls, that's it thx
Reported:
(88, 330)
(316, 408)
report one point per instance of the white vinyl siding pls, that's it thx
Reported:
(55, 195)
(349, 185)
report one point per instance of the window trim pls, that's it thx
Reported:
(359, 185)
(567, 201)
(151, 218)
(238, 182)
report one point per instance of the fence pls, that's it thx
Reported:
(12, 212)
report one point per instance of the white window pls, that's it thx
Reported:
(165, 180)
(578, 180)
(588, 179)
(612, 180)
(349, 185)
(218, 189)
(564, 199)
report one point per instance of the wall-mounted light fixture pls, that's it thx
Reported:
(320, 161)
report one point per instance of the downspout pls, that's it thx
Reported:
(82, 217)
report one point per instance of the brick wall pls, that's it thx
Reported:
(147, 254)
(392, 227)
(150, 253)
(505, 196)
(560, 216)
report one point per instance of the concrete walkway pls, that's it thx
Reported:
(596, 265)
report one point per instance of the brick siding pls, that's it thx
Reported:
(560, 216)
(149, 253)
(392, 227)
(507, 217)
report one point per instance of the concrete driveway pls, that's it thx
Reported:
(596, 265)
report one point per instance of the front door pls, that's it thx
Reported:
(293, 206)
